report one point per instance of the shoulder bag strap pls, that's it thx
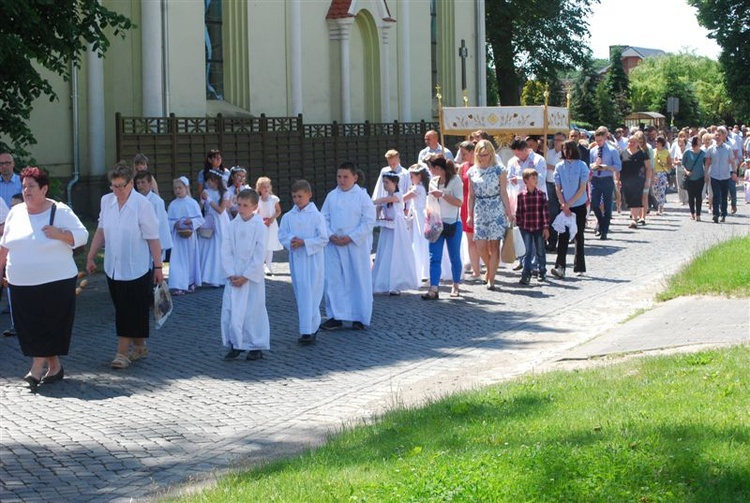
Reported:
(52, 213)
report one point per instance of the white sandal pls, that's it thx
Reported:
(120, 362)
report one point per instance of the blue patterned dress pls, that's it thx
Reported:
(489, 211)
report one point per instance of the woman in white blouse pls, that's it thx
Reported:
(128, 224)
(37, 250)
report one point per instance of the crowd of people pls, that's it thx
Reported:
(443, 218)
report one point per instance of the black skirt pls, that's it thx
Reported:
(43, 317)
(132, 300)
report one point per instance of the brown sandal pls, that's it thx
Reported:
(430, 295)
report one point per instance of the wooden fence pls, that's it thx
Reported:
(283, 148)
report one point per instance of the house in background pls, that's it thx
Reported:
(331, 60)
(632, 56)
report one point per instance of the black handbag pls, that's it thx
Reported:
(77, 250)
(449, 230)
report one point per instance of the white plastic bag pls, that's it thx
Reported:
(518, 245)
(162, 304)
(433, 224)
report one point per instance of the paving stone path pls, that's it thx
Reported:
(183, 414)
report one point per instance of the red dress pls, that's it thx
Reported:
(463, 171)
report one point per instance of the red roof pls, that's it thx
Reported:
(339, 9)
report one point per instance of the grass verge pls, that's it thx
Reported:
(674, 428)
(720, 270)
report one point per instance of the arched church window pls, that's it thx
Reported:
(214, 50)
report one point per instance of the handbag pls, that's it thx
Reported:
(508, 251)
(433, 223)
(449, 230)
(518, 245)
(78, 250)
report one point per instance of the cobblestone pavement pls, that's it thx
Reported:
(183, 414)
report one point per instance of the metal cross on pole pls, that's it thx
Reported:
(463, 53)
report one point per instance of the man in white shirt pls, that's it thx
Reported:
(433, 147)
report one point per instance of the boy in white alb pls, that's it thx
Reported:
(350, 217)
(244, 319)
(304, 233)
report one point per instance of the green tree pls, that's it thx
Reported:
(697, 80)
(51, 35)
(728, 22)
(538, 39)
(533, 93)
(583, 94)
(618, 86)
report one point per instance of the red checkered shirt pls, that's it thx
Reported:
(532, 212)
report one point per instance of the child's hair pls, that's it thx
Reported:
(301, 186)
(391, 154)
(263, 180)
(424, 175)
(140, 159)
(143, 174)
(349, 166)
(18, 196)
(392, 177)
(249, 195)
(235, 171)
(528, 173)
(215, 175)
(360, 178)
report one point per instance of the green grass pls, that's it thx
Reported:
(720, 270)
(659, 429)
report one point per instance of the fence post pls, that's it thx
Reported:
(172, 128)
(220, 130)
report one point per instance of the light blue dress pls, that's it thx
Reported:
(489, 211)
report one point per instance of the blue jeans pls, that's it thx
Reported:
(602, 188)
(454, 252)
(720, 188)
(534, 243)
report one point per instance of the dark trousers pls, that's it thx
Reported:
(733, 192)
(695, 195)
(554, 209)
(579, 264)
(602, 189)
(720, 189)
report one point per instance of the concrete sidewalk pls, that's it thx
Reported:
(685, 321)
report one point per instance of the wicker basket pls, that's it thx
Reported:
(184, 233)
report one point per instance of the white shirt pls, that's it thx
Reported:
(126, 230)
(534, 161)
(165, 233)
(33, 258)
(427, 151)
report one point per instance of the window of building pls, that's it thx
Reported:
(214, 50)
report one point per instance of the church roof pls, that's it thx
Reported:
(339, 9)
(643, 52)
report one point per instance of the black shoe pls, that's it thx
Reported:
(6, 310)
(723, 219)
(542, 278)
(306, 339)
(232, 354)
(54, 378)
(331, 324)
(716, 219)
(525, 280)
(357, 325)
(255, 354)
(32, 381)
(11, 332)
(603, 237)
(597, 232)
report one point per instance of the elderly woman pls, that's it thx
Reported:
(571, 177)
(489, 208)
(446, 187)
(37, 249)
(128, 224)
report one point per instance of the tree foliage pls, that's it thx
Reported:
(618, 86)
(583, 94)
(538, 39)
(51, 35)
(728, 22)
(696, 80)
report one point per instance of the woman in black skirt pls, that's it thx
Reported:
(128, 224)
(634, 175)
(37, 250)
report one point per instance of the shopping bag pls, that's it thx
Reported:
(518, 245)
(508, 251)
(433, 224)
(162, 304)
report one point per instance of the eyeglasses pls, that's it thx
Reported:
(115, 186)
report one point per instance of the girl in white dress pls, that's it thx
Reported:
(215, 207)
(394, 268)
(236, 182)
(185, 218)
(417, 194)
(269, 209)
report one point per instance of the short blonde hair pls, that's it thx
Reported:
(391, 154)
(483, 147)
(262, 181)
